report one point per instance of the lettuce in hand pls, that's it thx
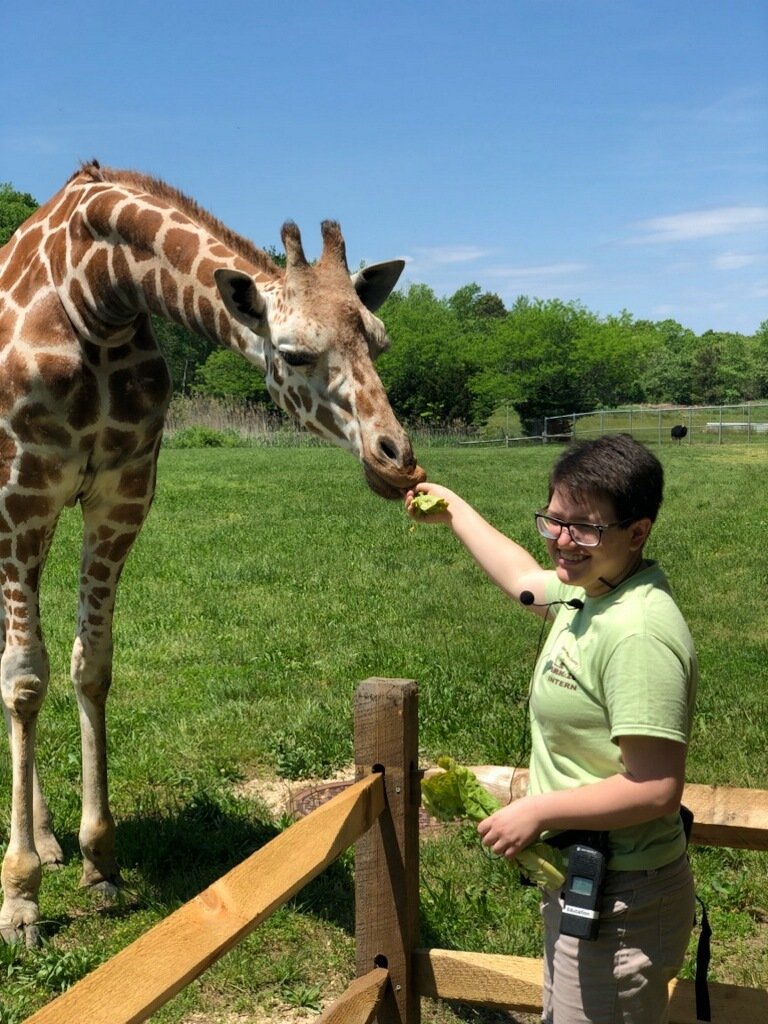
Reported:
(457, 794)
(425, 504)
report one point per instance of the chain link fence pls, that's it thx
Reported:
(700, 424)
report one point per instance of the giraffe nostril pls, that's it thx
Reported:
(388, 449)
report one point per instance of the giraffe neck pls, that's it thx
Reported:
(131, 252)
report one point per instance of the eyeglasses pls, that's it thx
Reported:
(586, 535)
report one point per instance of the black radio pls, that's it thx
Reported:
(583, 889)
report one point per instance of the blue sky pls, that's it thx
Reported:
(609, 152)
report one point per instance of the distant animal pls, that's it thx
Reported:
(83, 392)
(678, 432)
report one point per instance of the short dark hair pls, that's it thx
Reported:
(616, 467)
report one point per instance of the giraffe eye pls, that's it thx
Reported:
(294, 358)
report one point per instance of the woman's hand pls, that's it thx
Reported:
(509, 830)
(439, 515)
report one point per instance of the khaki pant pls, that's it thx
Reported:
(646, 918)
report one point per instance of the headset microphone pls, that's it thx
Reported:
(527, 599)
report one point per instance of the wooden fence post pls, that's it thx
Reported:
(387, 856)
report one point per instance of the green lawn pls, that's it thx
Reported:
(268, 583)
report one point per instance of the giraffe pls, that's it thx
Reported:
(83, 393)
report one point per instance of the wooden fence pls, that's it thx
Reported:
(379, 812)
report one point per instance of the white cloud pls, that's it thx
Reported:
(446, 254)
(732, 261)
(545, 270)
(684, 227)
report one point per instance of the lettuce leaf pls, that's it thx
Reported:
(456, 794)
(424, 504)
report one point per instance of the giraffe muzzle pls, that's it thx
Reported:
(392, 482)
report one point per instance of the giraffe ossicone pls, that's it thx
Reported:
(83, 394)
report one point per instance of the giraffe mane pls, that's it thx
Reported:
(161, 190)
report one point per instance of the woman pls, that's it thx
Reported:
(611, 707)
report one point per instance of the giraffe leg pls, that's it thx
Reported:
(24, 681)
(110, 530)
(46, 843)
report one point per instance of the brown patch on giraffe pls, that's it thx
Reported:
(22, 507)
(149, 287)
(47, 323)
(37, 472)
(135, 392)
(207, 315)
(116, 550)
(98, 271)
(99, 211)
(58, 373)
(11, 573)
(169, 288)
(118, 442)
(121, 271)
(181, 247)
(151, 222)
(225, 331)
(135, 481)
(119, 353)
(16, 380)
(28, 545)
(365, 407)
(85, 402)
(8, 446)
(306, 398)
(133, 515)
(205, 273)
(27, 244)
(325, 417)
(286, 401)
(99, 571)
(188, 303)
(35, 424)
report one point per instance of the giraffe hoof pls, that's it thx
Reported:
(50, 853)
(107, 889)
(20, 926)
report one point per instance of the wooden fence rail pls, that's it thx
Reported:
(379, 813)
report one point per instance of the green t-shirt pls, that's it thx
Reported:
(623, 665)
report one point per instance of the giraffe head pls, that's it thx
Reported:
(320, 338)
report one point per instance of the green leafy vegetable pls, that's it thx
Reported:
(456, 793)
(425, 504)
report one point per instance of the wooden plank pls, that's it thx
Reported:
(483, 979)
(145, 975)
(730, 1004)
(726, 816)
(515, 983)
(360, 1002)
(723, 815)
(387, 856)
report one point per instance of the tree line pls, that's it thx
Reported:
(454, 360)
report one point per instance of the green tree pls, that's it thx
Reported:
(427, 371)
(667, 370)
(184, 352)
(15, 207)
(227, 374)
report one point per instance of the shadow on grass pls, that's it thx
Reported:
(172, 856)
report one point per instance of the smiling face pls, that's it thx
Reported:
(616, 556)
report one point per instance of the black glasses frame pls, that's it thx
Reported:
(541, 517)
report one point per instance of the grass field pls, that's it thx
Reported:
(265, 586)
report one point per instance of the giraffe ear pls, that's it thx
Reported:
(242, 298)
(373, 284)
